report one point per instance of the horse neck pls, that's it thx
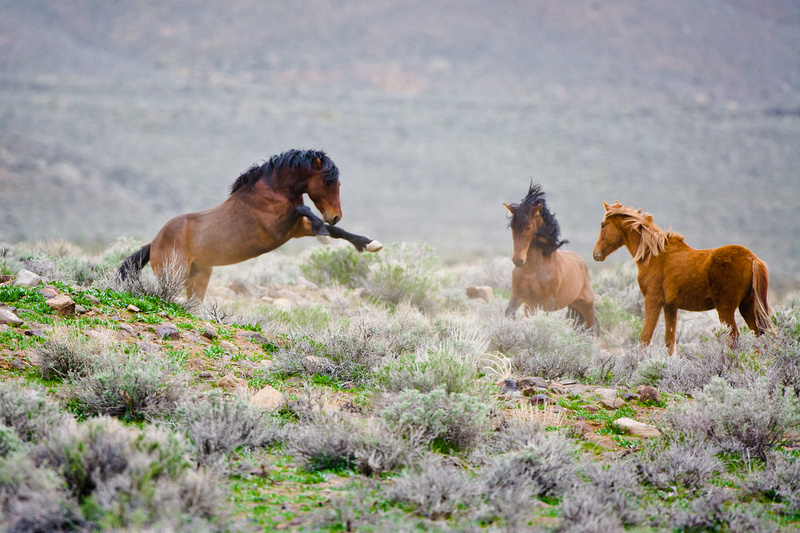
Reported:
(632, 240)
(266, 197)
(536, 257)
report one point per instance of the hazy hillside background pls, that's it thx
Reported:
(116, 116)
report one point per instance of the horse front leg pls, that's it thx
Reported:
(318, 227)
(670, 326)
(513, 305)
(359, 241)
(651, 312)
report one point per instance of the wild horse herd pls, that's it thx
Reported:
(265, 209)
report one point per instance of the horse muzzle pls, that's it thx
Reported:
(518, 262)
(332, 220)
(598, 256)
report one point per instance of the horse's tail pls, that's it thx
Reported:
(760, 287)
(134, 264)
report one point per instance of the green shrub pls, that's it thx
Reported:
(749, 421)
(406, 273)
(132, 387)
(28, 410)
(450, 422)
(338, 265)
(425, 373)
(68, 352)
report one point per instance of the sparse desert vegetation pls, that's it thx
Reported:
(334, 391)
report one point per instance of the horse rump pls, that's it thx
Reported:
(134, 264)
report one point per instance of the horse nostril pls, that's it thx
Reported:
(336, 219)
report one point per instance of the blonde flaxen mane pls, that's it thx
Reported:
(654, 239)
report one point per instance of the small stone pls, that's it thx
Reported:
(531, 381)
(606, 394)
(4, 328)
(629, 396)
(590, 408)
(567, 382)
(582, 428)
(167, 331)
(537, 399)
(127, 329)
(231, 383)
(80, 310)
(616, 403)
(35, 332)
(557, 388)
(639, 429)
(483, 292)
(5, 278)
(133, 309)
(148, 347)
(530, 391)
(265, 364)
(508, 386)
(195, 363)
(649, 394)
(7, 316)
(26, 278)
(267, 398)
(254, 336)
(205, 375)
(49, 292)
(228, 346)
(210, 334)
(242, 287)
(92, 299)
(63, 305)
(349, 385)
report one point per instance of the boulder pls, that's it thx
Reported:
(615, 403)
(649, 394)
(26, 278)
(537, 399)
(531, 381)
(231, 383)
(63, 305)
(315, 365)
(638, 429)
(242, 287)
(606, 394)
(267, 398)
(49, 292)
(7, 316)
(167, 331)
(508, 386)
(228, 346)
(482, 292)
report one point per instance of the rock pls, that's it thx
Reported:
(26, 278)
(557, 388)
(606, 394)
(205, 375)
(148, 347)
(639, 429)
(266, 364)
(303, 282)
(559, 409)
(629, 396)
(285, 294)
(283, 304)
(537, 399)
(267, 300)
(209, 334)
(133, 309)
(267, 398)
(128, 330)
(616, 403)
(228, 346)
(195, 363)
(530, 391)
(242, 287)
(231, 383)
(4, 328)
(508, 386)
(80, 310)
(582, 428)
(167, 331)
(568, 382)
(483, 292)
(49, 292)
(349, 385)
(332, 294)
(6, 278)
(7, 316)
(62, 304)
(590, 408)
(35, 332)
(92, 299)
(531, 381)
(649, 394)
(254, 336)
(315, 365)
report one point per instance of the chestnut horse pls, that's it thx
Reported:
(545, 277)
(674, 276)
(264, 210)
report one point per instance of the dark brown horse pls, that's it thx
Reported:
(545, 277)
(674, 276)
(264, 210)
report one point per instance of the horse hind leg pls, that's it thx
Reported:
(726, 317)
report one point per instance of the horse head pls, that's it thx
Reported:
(611, 237)
(525, 222)
(323, 189)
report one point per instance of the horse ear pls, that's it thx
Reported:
(535, 208)
(318, 163)
(606, 205)
(510, 208)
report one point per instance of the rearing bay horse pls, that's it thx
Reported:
(264, 210)
(674, 276)
(545, 277)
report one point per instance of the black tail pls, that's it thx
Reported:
(134, 264)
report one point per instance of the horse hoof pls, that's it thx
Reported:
(324, 239)
(374, 246)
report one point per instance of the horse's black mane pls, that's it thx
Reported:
(547, 236)
(290, 159)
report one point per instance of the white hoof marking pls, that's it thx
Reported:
(324, 239)
(374, 246)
